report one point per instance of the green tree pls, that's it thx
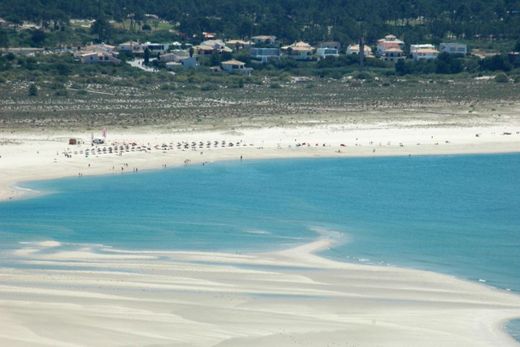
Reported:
(146, 56)
(448, 64)
(517, 46)
(496, 63)
(501, 78)
(37, 37)
(401, 68)
(4, 39)
(33, 90)
(102, 28)
(63, 69)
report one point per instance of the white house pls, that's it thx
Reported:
(97, 54)
(330, 44)
(393, 54)
(101, 47)
(264, 54)
(235, 66)
(354, 50)
(299, 51)
(423, 52)
(212, 46)
(187, 63)
(416, 47)
(388, 42)
(238, 44)
(133, 47)
(325, 52)
(453, 48)
(156, 48)
(268, 40)
(98, 57)
(175, 56)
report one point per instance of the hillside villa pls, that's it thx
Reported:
(133, 47)
(238, 44)
(390, 48)
(389, 41)
(97, 54)
(453, 48)
(235, 66)
(354, 50)
(330, 44)
(209, 47)
(267, 40)
(299, 51)
(265, 54)
(185, 62)
(423, 52)
(98, 57)
(325, 52)
(175, 56)
(156, 48)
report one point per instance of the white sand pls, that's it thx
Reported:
(33, 156)
(92, 295)
(291, 298)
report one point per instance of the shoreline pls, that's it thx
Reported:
(34, 157)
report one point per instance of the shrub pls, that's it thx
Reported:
(207, 87)
(501, 78)
(61, 92)
(363, 75)
(168, 86)
(496, 63)
(33, 90)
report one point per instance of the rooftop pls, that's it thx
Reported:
(233, 62)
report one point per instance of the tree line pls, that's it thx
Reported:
(311, 20)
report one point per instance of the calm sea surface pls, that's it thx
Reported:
(453, 214)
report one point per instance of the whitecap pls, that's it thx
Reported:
(257, 232)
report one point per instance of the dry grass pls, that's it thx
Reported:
(318, 100)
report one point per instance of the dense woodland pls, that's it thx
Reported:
(312, 20)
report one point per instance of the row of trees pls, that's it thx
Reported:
(313, 20)
(452, 64)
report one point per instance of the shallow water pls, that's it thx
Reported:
(513, 327)
(453, 214)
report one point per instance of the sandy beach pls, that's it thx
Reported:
(29, 156)
(93, 295)
(74, 295)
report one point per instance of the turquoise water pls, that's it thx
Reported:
(513, 328)
(453, 214)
